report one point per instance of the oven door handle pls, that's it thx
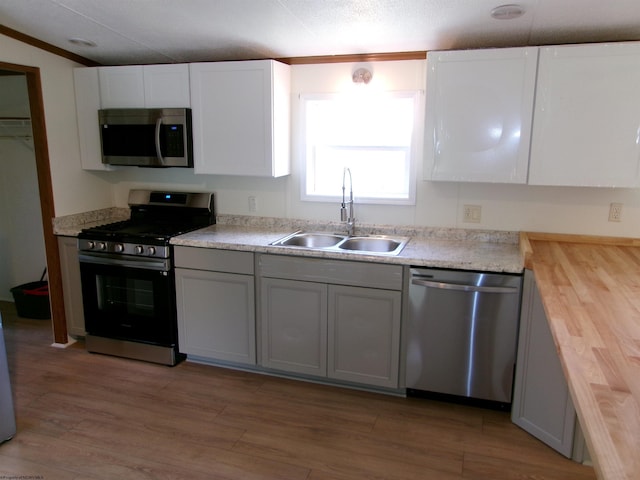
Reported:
(162, 265)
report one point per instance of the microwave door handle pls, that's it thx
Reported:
(158, 151)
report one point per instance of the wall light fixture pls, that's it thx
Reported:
(362, 75)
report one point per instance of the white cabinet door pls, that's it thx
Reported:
(71, 285)
(478, 114)
(364, 335)
(148, 86)
(294, 326)
(541, 402)
(121, 87)
(241, 118)
(216, 315)
(587, 116)
(166, 86)
(87, 91)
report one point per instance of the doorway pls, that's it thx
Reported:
(22, 252)
(45, 192)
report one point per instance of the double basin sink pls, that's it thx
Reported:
(369, 244)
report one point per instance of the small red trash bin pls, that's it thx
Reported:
(32, 299)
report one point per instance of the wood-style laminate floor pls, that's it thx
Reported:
(87, 416)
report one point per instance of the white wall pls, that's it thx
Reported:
(504, 207)
(74, 189)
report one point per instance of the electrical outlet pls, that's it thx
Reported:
(471, 213)
(615, 212)
(253, 204)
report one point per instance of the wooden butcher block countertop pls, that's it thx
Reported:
(590, 287)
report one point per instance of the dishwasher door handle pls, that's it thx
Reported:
(462, 287)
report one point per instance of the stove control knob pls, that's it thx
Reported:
(91, 245)
(118, 248)
(139, 249)
(102, 246)
(151, 250)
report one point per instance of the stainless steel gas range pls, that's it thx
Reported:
(127, 272)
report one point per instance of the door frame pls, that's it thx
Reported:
(45, 188)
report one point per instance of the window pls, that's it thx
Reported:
(371, 133)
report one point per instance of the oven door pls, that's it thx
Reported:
(129, 299)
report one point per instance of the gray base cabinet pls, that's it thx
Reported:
(364, 335)
(294, 326)
(216, 304)
(71, 285)
(541, 402)
(333, 319)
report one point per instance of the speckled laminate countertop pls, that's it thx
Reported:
(438, 248)
(483, 250)
(71, 225)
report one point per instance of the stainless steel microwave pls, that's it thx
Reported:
(146, 137)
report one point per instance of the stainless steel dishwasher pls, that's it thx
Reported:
(462, 335)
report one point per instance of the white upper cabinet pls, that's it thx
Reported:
(478, 114)
(586, 125)
(241, 118)
(148, 86)
(167, 86)
(121, 87)
(87, 89)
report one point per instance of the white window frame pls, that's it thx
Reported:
(414, 150)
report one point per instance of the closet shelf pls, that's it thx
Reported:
(15, 127)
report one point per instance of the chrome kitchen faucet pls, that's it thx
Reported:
(350, 220)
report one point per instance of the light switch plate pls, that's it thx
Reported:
(472, 213)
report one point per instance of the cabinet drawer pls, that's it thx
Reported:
(340, 272)
(214, 260)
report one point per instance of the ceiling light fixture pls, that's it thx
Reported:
(81, 42)
(507, 12)
(362, 75)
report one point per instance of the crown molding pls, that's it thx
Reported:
(350, 58)
(34, 42)
(355, 58)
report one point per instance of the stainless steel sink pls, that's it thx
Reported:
(310, 240)
(365, 244)
(371, 244)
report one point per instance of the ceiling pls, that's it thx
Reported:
(174, 31)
